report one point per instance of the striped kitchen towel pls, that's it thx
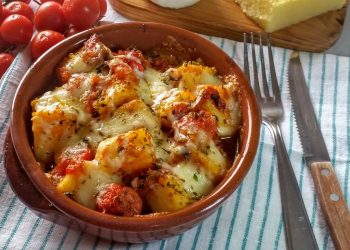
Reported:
(251, 218)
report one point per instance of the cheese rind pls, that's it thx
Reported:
(273, 15)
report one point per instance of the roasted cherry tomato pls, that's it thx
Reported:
(3, 43)
(81, 13)
(71, 161)
(5, 61)
(134, 58)
(120, 200)
(103, 7)
(49, 16)
(16, 29)
(194, 121)
(43, 41)
(19, 8)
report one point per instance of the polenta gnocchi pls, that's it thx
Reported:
(130, 132)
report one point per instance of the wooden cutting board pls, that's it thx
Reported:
(224, 18)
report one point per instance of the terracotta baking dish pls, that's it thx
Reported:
(40, 78)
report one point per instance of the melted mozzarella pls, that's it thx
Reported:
(76, 64)
(156, 85)
(208, 78)
(192, 75)
(162, 145)
(91, 182)
(196, 180)
(60, 100)
(144, 92)
(55, 119)
(79, 84)
(217, 160)
(130, 116)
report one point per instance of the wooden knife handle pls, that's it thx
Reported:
(332, 203)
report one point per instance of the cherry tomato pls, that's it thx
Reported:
(58, 1)
(3, 15)
(103, 7)
(119, 200)
(16, 29)
(71, 161)
(81, 13)
(43, 41)
(1, 11)
(49, 16)
(5, 61)
(19, 8)
(194, 121)
(3, 43)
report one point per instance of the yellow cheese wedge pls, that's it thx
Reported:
(273, 15)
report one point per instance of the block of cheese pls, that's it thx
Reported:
(175, 4)
(273, 15)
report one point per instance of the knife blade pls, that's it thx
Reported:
(317, 158)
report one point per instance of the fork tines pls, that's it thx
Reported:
(256, 85)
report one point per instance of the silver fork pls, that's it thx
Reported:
(298, 230)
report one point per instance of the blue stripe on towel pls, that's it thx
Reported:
(233, 219)
(77, 243)
(178, 243)
(111, 246)
(49, 233)
(252, 204)
(60, 245)
(334, 131)
(347, 169)
(162, 245)
(278, 234)
(214, 229)
(97, 241)
(30, 236)
(267, 204)
(195, 240)
(145, 246)
(14, 230)
(8, 211)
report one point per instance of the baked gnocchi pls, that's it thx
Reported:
(130, 133)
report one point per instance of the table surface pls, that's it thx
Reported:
(252, 217)
(342, 46)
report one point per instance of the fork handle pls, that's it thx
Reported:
(298, 230)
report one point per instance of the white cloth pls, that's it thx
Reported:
(251, 218)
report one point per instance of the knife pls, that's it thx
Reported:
(317, 158)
